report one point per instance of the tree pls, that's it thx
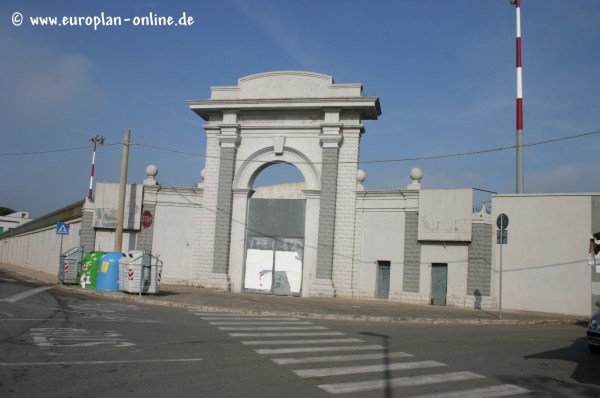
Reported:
(4, 211)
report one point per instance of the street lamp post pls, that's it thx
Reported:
(96, 140)
(520, 173)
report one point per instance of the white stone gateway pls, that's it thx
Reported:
(300, 118)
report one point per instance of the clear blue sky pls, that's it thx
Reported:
(443, 70)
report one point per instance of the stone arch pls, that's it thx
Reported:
(265, 157)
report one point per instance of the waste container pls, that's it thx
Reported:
(69, 265)
(89, 269)
(140, 271)
(108, 272)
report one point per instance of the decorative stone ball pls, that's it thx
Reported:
(203, 173)
(152, 171)
(361, 176)
(416, 174)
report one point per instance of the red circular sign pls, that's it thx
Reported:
(146, 219)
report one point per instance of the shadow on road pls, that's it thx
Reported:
(387, 376)
(588, 364)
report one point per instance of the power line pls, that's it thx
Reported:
(54, 150)
(362, 162)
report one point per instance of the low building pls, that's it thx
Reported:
(13, 220)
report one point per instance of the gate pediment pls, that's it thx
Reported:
(286, 85)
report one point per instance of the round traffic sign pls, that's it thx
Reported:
(502, 221)
(146, 219)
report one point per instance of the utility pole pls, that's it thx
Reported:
(122, 186)
(520, 172)
(96, 140)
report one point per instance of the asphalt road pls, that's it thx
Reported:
(55, 343)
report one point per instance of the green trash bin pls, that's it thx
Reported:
(89, 270)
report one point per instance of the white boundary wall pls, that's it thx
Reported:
(545, 262)
(39, 249)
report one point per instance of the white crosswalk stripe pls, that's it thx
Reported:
(273, 328)
(268, 351)
(261, 323)
(340, 358)
(261, 328)
(504, 390)
(340, 388)
(287, 334)
(312, 341)
(351, 370)
(246, 318)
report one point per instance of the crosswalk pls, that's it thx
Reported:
(342, 356)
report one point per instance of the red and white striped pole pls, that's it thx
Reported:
(96, 140)
(520, 173)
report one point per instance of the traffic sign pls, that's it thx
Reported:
(62, 228)
(502, 237)
(146, 219)
(502, 221)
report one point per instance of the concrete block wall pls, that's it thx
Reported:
(356, 253)
(224, 206)
(412, 253)
(480, 260)
(88, 234)
(327, 213)
(345, 214)
(206, 219)
(142, 243)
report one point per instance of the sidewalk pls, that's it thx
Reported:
(310, 307)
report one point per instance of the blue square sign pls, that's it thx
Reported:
(62, 228)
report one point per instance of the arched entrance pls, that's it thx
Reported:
(275, 233)
(303, 119)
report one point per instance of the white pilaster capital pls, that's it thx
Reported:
(229, 140)
(331, 140)
(312, 193)
(242, 192)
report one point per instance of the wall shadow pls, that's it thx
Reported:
(588, 364)
(387, 375)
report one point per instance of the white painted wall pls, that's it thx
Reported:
(40, 249)
(383, 220)
(457, 257)
(545, 261)
(105, 240)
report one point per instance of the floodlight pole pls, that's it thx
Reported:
(520, 173)
(96, 140)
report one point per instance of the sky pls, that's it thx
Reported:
(444, 72)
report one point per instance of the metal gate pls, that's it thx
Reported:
(439, 283)
(383, 285)
(274, 246)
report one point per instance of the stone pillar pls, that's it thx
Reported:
(311, 225)
(87, 235)
(206, 218)
(215, 218)
(345, 212)
(480, 260)
(331, 140)
(411, 271)
(238, 238)
(229, 140)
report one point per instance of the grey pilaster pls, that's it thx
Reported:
(480, 260)
(412, 253)
(229, 141)
(87, 234)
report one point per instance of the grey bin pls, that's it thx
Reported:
(69, 265)
(140, 271)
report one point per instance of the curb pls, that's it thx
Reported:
(338, 317)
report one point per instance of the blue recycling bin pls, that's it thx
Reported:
(107, 278)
